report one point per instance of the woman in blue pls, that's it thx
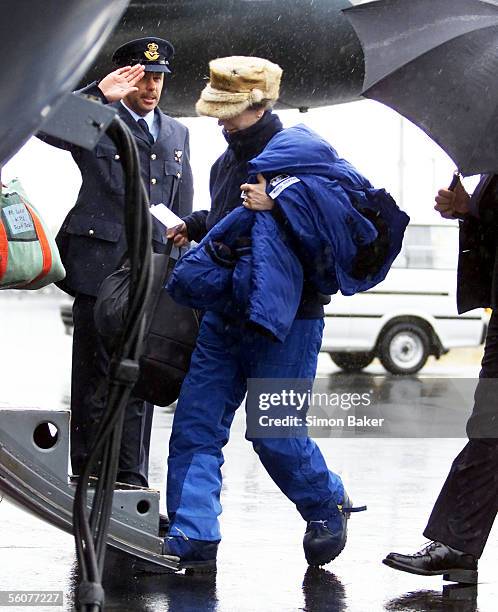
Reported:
(240, 94)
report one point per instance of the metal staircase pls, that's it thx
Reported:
(34, 456)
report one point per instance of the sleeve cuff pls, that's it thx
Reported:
(93, 91)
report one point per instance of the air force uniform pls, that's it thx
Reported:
(92, 238)
(92, 243)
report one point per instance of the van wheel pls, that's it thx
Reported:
(352, 362)
(404, 348)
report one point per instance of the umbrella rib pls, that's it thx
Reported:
(417, 58)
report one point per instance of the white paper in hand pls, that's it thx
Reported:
(165, 215)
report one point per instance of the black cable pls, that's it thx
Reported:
(90, 529)
(110, 479)
(89, 556)
(97, 504)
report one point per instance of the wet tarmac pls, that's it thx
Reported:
(261, 564)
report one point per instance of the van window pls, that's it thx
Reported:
(433, 247)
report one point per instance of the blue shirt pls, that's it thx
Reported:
(150, 119)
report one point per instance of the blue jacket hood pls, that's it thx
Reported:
(325, 226)
(299, 150)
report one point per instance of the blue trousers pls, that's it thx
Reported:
(225, 357)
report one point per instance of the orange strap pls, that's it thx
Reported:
(4, 250)
(44, 245)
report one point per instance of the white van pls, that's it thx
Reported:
(410, 315)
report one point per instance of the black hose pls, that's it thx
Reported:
(90, 529)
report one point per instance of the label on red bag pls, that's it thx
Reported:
(18, 222)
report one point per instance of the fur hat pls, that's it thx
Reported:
(236, 83)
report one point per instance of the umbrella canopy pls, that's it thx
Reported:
(436, 63)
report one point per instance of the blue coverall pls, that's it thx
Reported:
(227, 354)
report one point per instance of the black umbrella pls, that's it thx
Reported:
(436, 63)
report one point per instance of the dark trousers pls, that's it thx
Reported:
(89, 367)
(467, 505)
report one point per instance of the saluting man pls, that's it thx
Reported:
(92, 238)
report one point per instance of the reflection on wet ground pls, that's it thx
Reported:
(411, 407)
(261, 563)
(453, 597)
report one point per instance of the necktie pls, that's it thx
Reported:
(143, 124)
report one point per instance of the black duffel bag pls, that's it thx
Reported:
(170, 333)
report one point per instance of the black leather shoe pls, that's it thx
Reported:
(435, 559)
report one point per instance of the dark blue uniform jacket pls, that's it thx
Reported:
(92, 238)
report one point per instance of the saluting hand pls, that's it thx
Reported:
(118, 84)
(450, 202)
(255, 196)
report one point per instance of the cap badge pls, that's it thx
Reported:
(152, 54)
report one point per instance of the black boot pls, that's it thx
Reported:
(325, 539)
(435, 559)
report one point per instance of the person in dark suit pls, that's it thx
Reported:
(466, 508)
(92, 239)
